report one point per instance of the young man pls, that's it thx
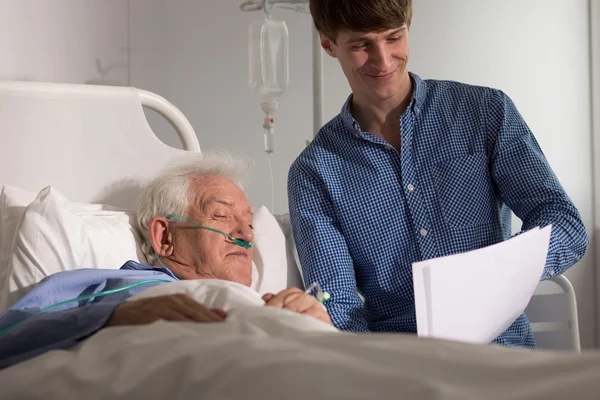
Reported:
(413, 169)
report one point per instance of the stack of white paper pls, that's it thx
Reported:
(475, 296)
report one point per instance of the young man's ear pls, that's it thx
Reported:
(327, 45)
(160, 236)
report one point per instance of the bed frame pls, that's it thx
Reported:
(93, 143)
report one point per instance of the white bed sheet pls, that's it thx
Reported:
(268, 353)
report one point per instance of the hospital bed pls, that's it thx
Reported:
(95, 149)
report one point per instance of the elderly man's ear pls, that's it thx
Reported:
(161, 237)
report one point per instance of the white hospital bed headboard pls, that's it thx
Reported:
(92, 143)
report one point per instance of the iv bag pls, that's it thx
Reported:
(269, 60)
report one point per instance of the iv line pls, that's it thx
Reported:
(272, 185)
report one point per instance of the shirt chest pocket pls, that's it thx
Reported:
(465, 190)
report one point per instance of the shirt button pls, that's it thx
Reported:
(410, 187)
(423, 232)
(356, 127)
(551, 272)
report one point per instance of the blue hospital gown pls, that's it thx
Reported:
(65, 326)
(363, 212)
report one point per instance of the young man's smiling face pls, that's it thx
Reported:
(375, 63)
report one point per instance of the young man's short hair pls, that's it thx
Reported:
(332, 16)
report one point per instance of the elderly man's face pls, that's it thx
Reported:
(218, 203)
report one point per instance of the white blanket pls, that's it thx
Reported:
(265, 353)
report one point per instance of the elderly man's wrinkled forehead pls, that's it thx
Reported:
(208, 191)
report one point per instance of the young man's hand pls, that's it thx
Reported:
(176, 307)
(296, 300)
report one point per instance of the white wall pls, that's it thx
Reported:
(200, 64)
(73, 41)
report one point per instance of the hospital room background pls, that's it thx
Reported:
(195, 52)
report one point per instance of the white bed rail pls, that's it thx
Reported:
(178, 121)
(553, 316)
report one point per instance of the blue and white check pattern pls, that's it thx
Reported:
(363, 212)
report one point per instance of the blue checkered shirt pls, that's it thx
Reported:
(363, 212)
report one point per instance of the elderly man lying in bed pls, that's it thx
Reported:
(196, 223)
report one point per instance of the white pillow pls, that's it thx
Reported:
(56, 235)
(13, 201)
(271, 255)
(295, 277)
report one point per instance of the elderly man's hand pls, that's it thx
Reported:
(296, 300)
(176, 307)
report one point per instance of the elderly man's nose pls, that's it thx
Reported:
(245, 233)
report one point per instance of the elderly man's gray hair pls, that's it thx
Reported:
(170, 192)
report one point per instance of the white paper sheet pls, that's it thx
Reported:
(475, 296)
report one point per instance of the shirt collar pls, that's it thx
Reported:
(418, 98)
(132, 265)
